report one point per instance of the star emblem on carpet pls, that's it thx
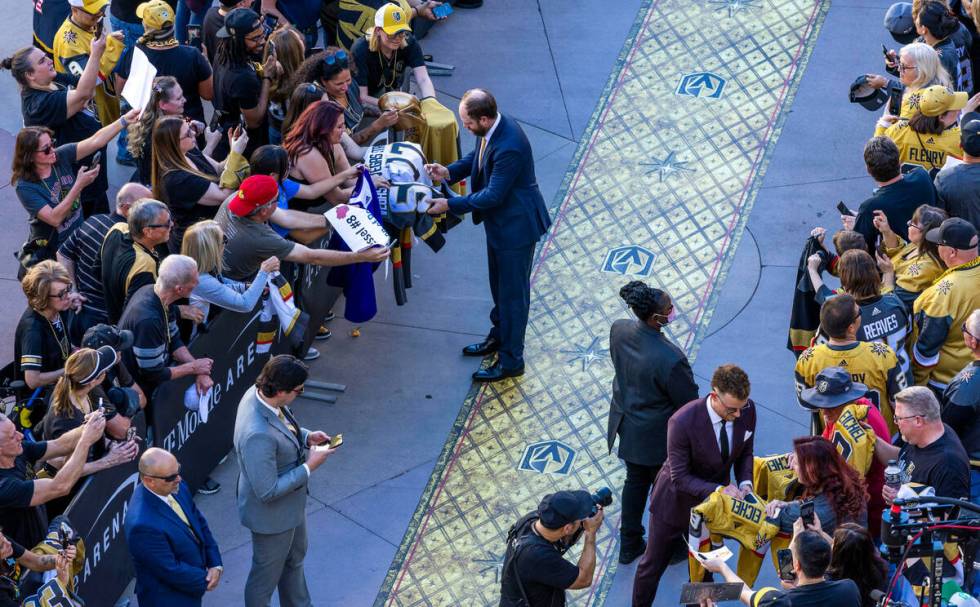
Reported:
(734, 6)
(587, 355)
(668, 166)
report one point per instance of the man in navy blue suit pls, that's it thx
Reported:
(505, 197)
(175, 556)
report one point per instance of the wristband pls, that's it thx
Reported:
(123, 122)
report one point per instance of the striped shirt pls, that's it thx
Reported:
(155, 338)
(82, 249)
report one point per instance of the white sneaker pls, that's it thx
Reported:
(312, 354)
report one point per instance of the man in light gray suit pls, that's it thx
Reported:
(272, 485)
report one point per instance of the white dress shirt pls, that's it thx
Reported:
(716, 426)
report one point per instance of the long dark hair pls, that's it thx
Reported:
(269, 159)
(824, 472)
(303, 96)
(311, 130)
(316, 69)
(22, 166)
(855, 557)
(929, 217)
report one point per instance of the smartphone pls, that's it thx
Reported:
(842, 208)
(894, 103)
(884, 51)
(272, 48)
(443, 10)
(336, 441)
(785, 559)
(806, 513)
(97, 158)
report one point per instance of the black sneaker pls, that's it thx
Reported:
(330, 316)
(209, 487)
(628, 555)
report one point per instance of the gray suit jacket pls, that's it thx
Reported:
(272, 481)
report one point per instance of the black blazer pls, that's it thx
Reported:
(653, 379)
(505, 194)
(694, 467)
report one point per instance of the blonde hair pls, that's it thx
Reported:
(37, 283)
(163, 88)
(929, 68)
(79, 366)
(290, 52)
(374, 40)
(203, 242)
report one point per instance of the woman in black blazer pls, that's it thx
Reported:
(653, 379)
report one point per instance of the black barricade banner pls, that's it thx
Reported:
(97, 512)
(199, 445)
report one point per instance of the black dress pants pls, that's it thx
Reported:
(636, 490)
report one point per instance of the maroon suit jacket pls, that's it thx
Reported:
(694, 467)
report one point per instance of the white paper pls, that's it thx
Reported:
(198, 402)
(722, 553)
(951, 161)
(357, 227)
(139, 85)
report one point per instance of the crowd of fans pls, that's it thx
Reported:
(257, 120)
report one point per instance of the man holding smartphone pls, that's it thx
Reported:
(272, 485)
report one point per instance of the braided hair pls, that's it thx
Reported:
(645, 301)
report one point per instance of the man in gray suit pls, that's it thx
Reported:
(272, 485)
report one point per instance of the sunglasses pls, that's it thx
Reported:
(46, 149)
(967, 331)
(167, 479)
(169, 224)
(912, 224)
(340, 58)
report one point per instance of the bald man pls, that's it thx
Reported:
(174, 554)
(505, 197)
(80, 254)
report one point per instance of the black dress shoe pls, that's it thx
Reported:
(496, 373)
(628, 555)
(468, 3)
(483, 348)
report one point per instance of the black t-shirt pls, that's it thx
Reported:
(839, 593)
(213, 21)
(50, 109)
(181, 191)
(21, 522)
(126, 9)
(185, 63)
(899, 201)
(942, 465)
(40, 345)
(961, 407)
(379, 74)
(238, 88)
(544, 572)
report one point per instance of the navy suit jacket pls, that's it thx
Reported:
(694, 467)
(505, 194)
(170, 559)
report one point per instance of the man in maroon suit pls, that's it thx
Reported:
(706, 438)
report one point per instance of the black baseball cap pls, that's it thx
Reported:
(954, 232)
(900, 24)
(107, 335)
(108, 358)
(563, 507)
(970, 133)
(832, 387)
(240, 23)
(869, 97)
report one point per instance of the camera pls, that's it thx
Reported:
(601, 499)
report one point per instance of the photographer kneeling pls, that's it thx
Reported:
(534, 572)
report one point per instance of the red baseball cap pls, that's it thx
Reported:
(255, 191)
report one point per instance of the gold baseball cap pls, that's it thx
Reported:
(156, 14)
(937, 100)
(91, 7)
(392, 19)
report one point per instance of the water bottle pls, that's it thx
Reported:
(893, 475)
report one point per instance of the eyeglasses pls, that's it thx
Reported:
(340, 58)
(967, 331)
(169, 224)
(299, 391)
(46, 149)
(728, 410)
(167, 479)
(68, 291)
(256, 38)
(902, 418)
(912, 224)
(902, 67)
(402, 35)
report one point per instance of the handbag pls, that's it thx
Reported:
(31, 253)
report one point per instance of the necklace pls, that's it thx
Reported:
(386, 84)
(63, 344)
(57, 179)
